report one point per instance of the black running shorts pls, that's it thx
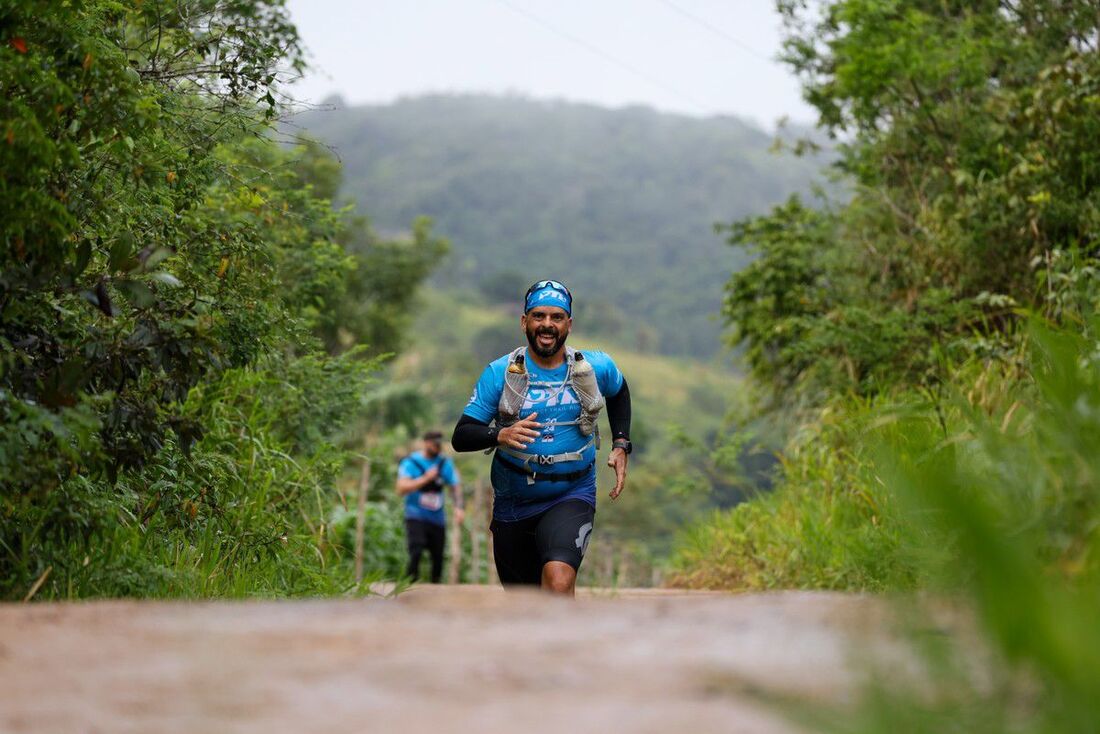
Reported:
(561, 533)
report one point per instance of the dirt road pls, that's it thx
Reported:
(459, 659)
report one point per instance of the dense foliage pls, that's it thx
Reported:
(509, 180)
(969, 132)
(949, 236)
(935, 340)
(950, 232)
(170, 419)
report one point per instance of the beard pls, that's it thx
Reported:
(546, 351)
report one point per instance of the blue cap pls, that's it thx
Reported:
(548, 293)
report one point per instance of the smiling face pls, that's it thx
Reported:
(547, 328)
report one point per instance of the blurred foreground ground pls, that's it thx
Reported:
(443, 659)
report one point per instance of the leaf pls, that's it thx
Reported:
(103, 300)
(120, 251)
(19, 44)
(142, 336)
(137, 293)
(167, 279)
(188, 430)
(151, 256)
(223, 266)
(83, 256)
(72, 374)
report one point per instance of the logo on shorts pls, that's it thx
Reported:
(583, 536)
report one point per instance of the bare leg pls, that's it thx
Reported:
(559, 578)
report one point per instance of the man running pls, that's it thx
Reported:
(421, 477)
(544, 400)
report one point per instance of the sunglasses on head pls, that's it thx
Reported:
(556, 285)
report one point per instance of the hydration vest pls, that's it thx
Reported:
(435, 485)
(579, 375)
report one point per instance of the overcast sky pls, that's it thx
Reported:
(699, 57)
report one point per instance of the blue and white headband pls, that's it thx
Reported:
(548, 293)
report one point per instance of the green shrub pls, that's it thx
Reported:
(384, 549)
(1004, 504)
(171, 424)
(242, 512)
(827, 524)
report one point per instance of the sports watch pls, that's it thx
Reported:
(623, 443)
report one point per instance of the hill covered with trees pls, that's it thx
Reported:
(619, 203)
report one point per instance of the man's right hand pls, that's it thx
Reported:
(521, 433)
(429, 476)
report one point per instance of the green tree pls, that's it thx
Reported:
(170, 420)
(118, 290)
(968, 136)
(379, 290)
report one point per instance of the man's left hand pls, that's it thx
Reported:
(617, 461)
(460, 515)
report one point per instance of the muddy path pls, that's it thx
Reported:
(444, 659)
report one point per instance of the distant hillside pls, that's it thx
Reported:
(619, 203)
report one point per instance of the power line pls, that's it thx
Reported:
(716, 30)
(604, 55)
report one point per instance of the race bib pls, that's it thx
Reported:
(431, 500)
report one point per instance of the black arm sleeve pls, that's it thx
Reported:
(618, 412)
(473, 435)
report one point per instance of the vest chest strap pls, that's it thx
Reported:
(547, 459)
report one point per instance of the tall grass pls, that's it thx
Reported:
(986, 491)
(828, 524)
(1006, 507)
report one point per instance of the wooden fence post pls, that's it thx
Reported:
(361, 510)
(475, 537)
(489, 557)
(456, 551)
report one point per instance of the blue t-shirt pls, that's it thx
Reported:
(514, 497)
(427, 506)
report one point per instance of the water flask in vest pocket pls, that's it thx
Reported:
(588, 393)
(515, 390)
